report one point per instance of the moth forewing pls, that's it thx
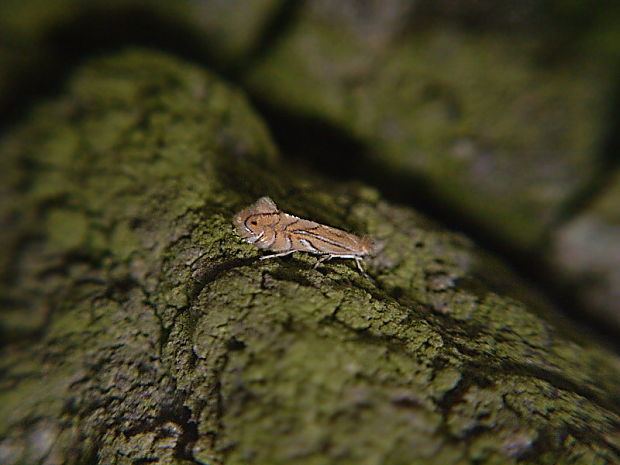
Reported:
(263, 225)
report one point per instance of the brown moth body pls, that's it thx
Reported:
(265, 226)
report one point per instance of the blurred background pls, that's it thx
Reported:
(498, 119)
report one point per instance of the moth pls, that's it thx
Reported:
(265, 226)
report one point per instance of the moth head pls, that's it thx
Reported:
(255, 219)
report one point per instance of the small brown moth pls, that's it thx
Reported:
(266, 227)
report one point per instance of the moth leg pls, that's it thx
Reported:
(358, 262)
(252, 240)
(281, 254)
(323, 258)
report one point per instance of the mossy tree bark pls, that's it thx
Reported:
(139, 328)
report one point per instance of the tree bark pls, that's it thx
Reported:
(138, 328)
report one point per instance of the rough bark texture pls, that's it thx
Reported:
(139, 329)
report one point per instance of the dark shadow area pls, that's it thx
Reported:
(96, 32)
(608, 164)
(273, 30)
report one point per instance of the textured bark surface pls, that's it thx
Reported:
(138, 328)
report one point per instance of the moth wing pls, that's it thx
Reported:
(265, 205)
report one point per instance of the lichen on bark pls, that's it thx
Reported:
(142, 329)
